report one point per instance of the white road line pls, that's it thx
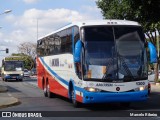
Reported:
(9, 94)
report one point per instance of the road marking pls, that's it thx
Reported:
(9, 95)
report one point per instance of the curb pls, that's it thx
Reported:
(12, 101)
(157, 84)
(7, 101)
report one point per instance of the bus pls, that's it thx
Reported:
(95, 62)
(12, 68)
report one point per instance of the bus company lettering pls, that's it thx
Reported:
(104, 84)
(55, 62)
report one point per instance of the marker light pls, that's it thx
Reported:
(141, 88)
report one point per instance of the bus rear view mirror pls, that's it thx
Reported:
(77, 53)
(153, 53)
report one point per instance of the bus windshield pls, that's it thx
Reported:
(114, 53)
(13, 66)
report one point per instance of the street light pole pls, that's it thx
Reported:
(37, 28)
(5, 12)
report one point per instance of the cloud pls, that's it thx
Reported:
(30, 1)
(48, 21)
(94, 11)
(24, 28)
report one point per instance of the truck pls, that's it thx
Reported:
(12, 68)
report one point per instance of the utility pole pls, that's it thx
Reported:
(157, 64)
(37, 28)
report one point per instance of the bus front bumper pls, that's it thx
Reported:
(105, 97)
(18, 77)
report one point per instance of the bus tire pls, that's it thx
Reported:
(45, 91)
(49, 93)
(76, 104)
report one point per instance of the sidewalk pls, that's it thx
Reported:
(6, 99)
(155, 87)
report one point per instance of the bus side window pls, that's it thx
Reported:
(2, 62)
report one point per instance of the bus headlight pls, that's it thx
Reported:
(90, 89)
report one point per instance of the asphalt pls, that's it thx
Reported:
(7, 100)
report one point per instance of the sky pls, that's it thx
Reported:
(20, 25)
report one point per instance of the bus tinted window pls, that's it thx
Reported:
(57, 43)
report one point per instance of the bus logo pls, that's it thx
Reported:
(118, 88)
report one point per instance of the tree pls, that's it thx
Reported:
(28, 61)
(28, 48)
(146, 12)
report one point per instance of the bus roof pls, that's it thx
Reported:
(96, 23)
(13, 58)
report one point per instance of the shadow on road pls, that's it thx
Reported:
(151, 104)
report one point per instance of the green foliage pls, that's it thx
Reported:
(146, 12)
(28, 61)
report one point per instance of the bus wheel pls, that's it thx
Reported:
(45, 91)
(49, 93)
(73, 96)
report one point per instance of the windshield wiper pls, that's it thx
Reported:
(129, 76)
(106, 75)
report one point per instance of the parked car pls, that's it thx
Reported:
(26, 73)
(151, 75)
(33, 71)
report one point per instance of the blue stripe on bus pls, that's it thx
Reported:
(59, 78)
(53, 73)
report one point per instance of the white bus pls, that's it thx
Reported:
(12, 68)
(95, 62)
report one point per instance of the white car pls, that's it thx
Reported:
(26, 73)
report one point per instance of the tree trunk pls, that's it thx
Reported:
(157, 64)
(156, 72)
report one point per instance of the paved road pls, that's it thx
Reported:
(32, 99)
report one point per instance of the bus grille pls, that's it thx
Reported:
(114, 92)
(14, 74)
